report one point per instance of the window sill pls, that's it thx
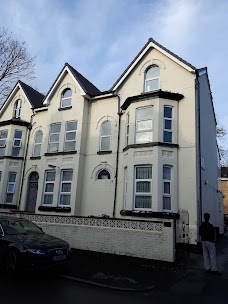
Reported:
(35, 157)
(104, 152)
(148, 214)
(55, 209)
(66, 108)
(8, 206)
(60, 153)
(12, 157)
(151, 144)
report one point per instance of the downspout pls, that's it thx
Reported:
(199, 146)
(25, 158)
(117, 156)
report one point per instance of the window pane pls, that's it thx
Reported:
(106, 128)
(167, 187)
(143, 172)
(48, 198)
(3, 134)
(143, 137)
(54, 137)
(9, 198)
(71, 125)
(55, 128)
(17, 143)
(69, 146)
(167, 203)
(10, 188)
(65, 199)
(143, 187)
(152, 85)
(104, 174)
(12, 177)
(67, 93)
(37, 150)
(2, 142)
(66, 102)
(105, 143)
(167, 173)
(66, 187)
(39, 137)
(49, 187)
(67, 175)
(167, 136)
(53, 147)
(144, 113)
(17, 134)
(168, 112)
(168, 124)
(143, 201)
(144, 125)
(50, 176)
(153, 72)
(2, 151)
(70, 135)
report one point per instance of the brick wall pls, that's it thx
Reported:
(144, 239)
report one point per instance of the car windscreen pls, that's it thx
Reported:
(20, 227)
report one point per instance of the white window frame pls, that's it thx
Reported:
(3, 139)
(37, 144)
(143, 193)
(17, 139)
(11, 184)
(44, 187)
(103, 179)
(125, 188)
(60, 187)
(163, 188)
(145, 130)
(65, 98)
(169, 119)
(54, 142)
(127, 128)
(65, 135)
(105, 136)
(153, 78)
(17, 108)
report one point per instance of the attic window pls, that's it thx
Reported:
(66, 98)
(152, 78)
(17, 109)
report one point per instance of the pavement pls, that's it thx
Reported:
(185, 276)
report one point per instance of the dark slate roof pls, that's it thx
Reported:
(86, 85)
(159, 45)
(34, 97)
(224, 171)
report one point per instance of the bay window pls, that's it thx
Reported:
(143, 187)
(144, 125)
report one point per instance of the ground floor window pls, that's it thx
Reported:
(167, 188)
(49, 184)
(65, 187)
(11, 187)
(143, 187)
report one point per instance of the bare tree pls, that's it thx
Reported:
(15, 63)
(221, 133)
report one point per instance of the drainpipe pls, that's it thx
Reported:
(117, 156)
(25, 158)
(199, 146)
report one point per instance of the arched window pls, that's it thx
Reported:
(152, 78)
(66, 98)
(103, 174)
(37, 143)
(105, 136)
(17, 109)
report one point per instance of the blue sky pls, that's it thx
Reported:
(101, 37)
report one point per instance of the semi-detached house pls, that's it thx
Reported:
(129, 171)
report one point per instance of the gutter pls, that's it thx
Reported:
(117, 156)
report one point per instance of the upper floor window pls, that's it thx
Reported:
(127, 128)
(3, 138)
(152, 78)
(53, 145)
(11, 187)
(66, 98)
(144, 125)
(65, 187)
(167, 188)
(103, 174)
(70, 136)
(49, 184)
(17, 108)
(143, 187)
(16, 143)
(105, 136)
(167, 124)
(37, 143)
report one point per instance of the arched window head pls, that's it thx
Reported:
(17, 109)
(152, 78)
(105, 136)
(37, 143)
(66, 98)
(103, 174)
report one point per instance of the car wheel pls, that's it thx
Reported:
(11, 263)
